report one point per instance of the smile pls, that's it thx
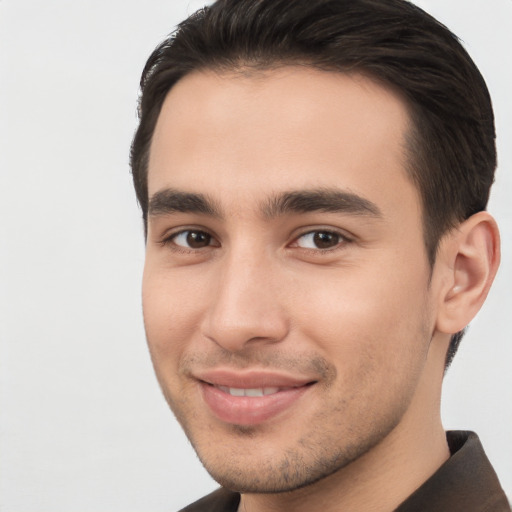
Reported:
(250, 398)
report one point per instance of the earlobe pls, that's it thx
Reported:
(470, 258)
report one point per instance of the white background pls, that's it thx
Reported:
(83, 426)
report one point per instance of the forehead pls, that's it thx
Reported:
(240, 135)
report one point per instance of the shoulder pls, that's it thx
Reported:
(220, 500)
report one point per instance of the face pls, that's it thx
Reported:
(286, 288)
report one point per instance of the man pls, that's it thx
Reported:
(313, 176)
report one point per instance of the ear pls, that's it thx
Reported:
(469, 257)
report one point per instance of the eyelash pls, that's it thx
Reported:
(343, 239)
(170, 241)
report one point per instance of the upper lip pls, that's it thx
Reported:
(251, 379)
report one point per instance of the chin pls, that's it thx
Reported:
(292, 469)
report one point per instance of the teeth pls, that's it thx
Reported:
(249, 391)
(254, 392)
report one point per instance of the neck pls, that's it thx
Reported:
(383, 477)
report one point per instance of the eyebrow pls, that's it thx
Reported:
(169, 200)
(320, 200)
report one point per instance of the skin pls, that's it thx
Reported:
(364, 317)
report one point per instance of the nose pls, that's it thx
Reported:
(245, 308)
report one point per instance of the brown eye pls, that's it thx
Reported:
(192, 239)
(320, 240)
(325, 240)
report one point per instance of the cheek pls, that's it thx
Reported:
(376, 338)
(171, 314)
(377, 317)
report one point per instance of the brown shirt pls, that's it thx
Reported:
(466, 482)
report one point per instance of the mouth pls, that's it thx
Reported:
(251, 398)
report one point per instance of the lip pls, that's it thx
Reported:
(252, 378)
(250, 410)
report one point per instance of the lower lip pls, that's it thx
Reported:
(245, 410)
